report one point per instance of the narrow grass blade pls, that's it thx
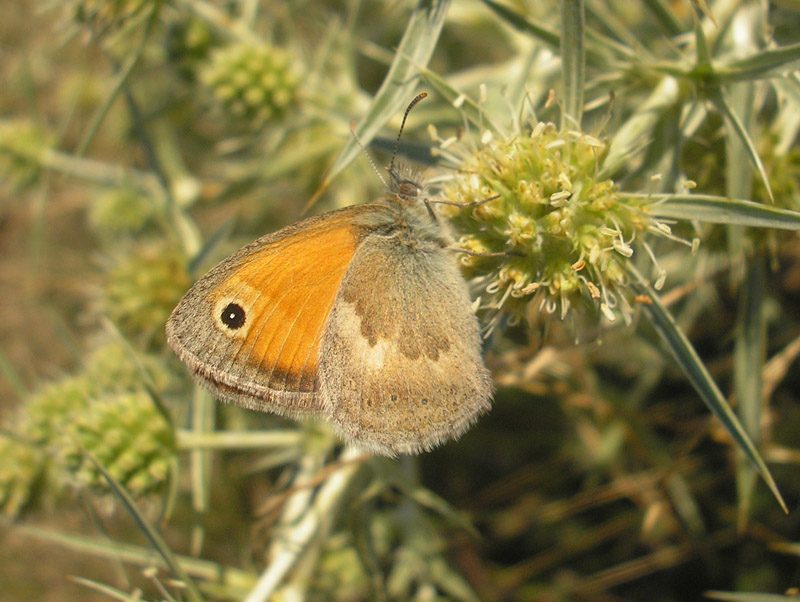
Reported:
(750, 341)
(105, 589)
(720, 210)
(694, 369)
(702, 52)
(722, 105)
(415, 50)
(573, 61)
(522, 23)
(663, 14)
(600, 49)
(203, 414)
(223, 577)
(748, 364)
(229, 440)
(150, 533)
(764, 64)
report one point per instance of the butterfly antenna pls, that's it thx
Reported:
(364, 150)
(411, 105)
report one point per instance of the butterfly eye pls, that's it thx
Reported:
(233, 316)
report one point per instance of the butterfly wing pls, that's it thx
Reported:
(251, 328)
(401, 368)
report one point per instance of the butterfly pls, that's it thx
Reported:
(359, 316)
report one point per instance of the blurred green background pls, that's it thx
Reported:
(141, 141)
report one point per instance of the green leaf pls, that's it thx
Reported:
(399, 85)
(150, 532)
(596, 43)
(203, 419)
(230, 440)
(227, 578)
(522, 23)
(764, 64)
(748, 364)
(702, 52)
(573, 62)
(684, 353)
(721, 210)
(664, 15)
(722, 105)
(104, 589)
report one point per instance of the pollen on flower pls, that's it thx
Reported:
(544, 232)
(473, 248)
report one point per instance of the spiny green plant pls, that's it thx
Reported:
(569, 163)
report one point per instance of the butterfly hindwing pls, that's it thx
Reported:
(400, 362)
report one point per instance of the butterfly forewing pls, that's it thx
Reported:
(253, 325)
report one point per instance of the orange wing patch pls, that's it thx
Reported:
(288, 289)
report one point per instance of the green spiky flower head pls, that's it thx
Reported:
(32, 433)
(541, 231)
(21, 468)
(252, 83)
(121, 212)
(125, 434)
(141, 288)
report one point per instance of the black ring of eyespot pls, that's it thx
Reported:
(233, 316)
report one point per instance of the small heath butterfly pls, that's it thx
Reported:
(360, 316)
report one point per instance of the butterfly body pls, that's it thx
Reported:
(359, 315)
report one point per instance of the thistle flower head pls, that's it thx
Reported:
(32, 435)
(20, 469)
(125, 434)
(110, 368)
(121, 212)
(102, 413)
(540, 229)
(43, 415)
(253, 84)
(141, 289)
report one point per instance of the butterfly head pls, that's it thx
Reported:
(405, 183)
